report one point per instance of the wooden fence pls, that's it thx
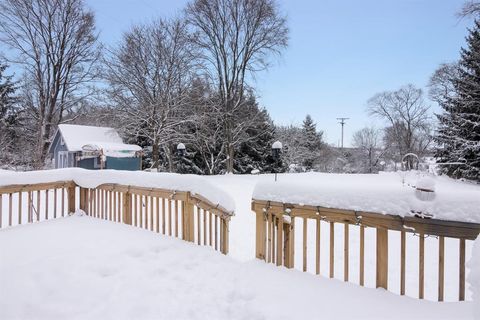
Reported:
(175, 213)
(275, 240)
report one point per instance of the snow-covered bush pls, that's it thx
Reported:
(474, 277)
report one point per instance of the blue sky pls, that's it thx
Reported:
(340, 54)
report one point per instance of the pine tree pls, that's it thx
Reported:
(311, 143)
(458, 136)
(9, 117)
(256, 152)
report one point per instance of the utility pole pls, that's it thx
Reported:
(342, 122)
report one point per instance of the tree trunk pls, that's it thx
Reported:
(155, 155)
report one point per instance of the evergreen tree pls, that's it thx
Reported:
(458, 136)
(311, 143)
(9, 118)
(256, 152)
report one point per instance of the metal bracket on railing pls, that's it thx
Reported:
(322, 218)
(425, 236)
(265, 210)
(407, 227)
(358, 219)
(287, 210)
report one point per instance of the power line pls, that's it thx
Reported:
(342, 122)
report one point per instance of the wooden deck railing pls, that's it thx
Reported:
(174, 213)
(275, 240)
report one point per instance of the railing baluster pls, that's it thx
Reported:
(20, 207)
(10, 213)
(461, 293)
(421, 267)
(204, 227)
(216, 232)
(163, 216)
(332, 250)
(63, 201)
(402, 261)
(1, 210)
(157, 216)
(280, 241)
(441, 267)
(55, 203)
(30, 204)
(169, 202)
(274, 230)
(317, 246)
(305, 230)
(135, 209)
(199, 228)
(382, 258)
(175, 203)
(362, 256)
(210, 228)
(38, 205)
(151, 213)
(269, 237)
(47, 208)
(345, 252)
(115, 206)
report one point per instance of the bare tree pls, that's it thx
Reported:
(469, 9)
(368, 143)
(55, 43)
(237, 39)
(408, 117)
(441, 86)
(149, 74)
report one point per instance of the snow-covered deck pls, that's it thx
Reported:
(84, 268)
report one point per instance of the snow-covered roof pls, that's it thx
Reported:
(118, 150)
(78, 136)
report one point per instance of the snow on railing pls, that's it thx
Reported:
(300, 221)
(183, 206)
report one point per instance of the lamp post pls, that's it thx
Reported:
(181, 151)
(276, 151)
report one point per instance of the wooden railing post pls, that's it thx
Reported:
(260, 236)
(382, 258)
(224, 232)
(127, 208)
(71, 199)
(280, 244)
(83, 200)
(188, 220)
(289, 229)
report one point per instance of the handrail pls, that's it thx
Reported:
(275, 239)
(28, 203)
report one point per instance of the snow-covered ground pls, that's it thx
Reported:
(82, 268)
(86, 268)
(242, 243)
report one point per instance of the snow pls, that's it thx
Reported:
(76, 136)
(117, 150)
(388, 193)
(84, 268)
(277, 145)
(474, 277)
(93, 178)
